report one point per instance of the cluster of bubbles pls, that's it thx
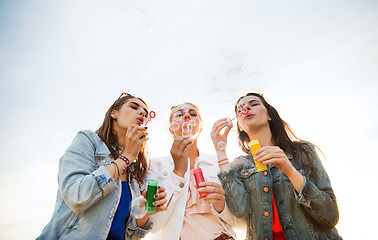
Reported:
(187, 125)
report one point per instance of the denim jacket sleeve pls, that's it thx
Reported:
(81, 182)
(136, 232)
(237, 197)
(317, 195)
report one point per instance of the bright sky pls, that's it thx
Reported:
(62, 63)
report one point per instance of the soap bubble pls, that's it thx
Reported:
(177, 117)
(222, 145)
(187, 129)
(185, 108)
(137, 207)
(174, 126)
(193, 122)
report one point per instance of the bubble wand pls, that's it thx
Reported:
(151, 115)
(222, 145)
(245, 111)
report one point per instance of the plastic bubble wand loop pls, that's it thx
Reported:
(151, 115)
(244, 112)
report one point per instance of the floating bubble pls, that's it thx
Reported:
(177, 116)
(186, 129)
(193, 122)
(185, 109)
(174, 126)
(222, 145)
(137, 207)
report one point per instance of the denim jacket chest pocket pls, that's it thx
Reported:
(249, 176)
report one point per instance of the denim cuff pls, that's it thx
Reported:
(305, 194)
(227, 176)
(104, 180)
(134, 230)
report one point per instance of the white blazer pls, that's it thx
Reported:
(168, 224)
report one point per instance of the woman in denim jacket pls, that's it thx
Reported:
(188, 216)
(293, 198)
(99, 175)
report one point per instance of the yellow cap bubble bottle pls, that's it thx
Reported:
(254, 145)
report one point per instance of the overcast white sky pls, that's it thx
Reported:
(62, 63)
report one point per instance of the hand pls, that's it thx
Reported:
(179, 152)
(215, 196)
(159, 200)
(135, 136)
(215, 134)
(159, 203)
(276, 156)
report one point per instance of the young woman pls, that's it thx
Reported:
(293, 198)
(188, 216)
(98, 176)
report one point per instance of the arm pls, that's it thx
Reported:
(317, 196)
(237, 197)
(314, 192)
(236, 194)
(80, 183)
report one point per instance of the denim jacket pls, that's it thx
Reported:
(88, 196)
(310, 214)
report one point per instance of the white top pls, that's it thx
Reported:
(168, 224)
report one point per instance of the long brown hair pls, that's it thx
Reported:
(282, 134)
(109, 136)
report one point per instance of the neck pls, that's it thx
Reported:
(263, 135)
(121, 134)
(193, 153)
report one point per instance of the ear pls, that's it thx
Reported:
(113, 114)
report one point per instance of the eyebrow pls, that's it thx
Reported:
(139, 106)
(250, 102)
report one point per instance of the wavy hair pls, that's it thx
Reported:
(109, 136)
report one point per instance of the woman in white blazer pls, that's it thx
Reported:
(188, 216)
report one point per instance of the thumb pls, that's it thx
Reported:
(144, 193)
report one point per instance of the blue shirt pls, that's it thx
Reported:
(117, 230)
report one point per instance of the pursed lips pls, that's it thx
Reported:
(140, 120)
(248, 116)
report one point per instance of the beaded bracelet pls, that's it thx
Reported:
(126, 160)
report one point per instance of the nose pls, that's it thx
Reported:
(186, 117)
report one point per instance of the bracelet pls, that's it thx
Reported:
(224, 163)
(126, 160)
(222, 160)
(117, 168)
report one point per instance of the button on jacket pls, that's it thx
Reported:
(168, 224)
(310, 214)
(88, 197)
